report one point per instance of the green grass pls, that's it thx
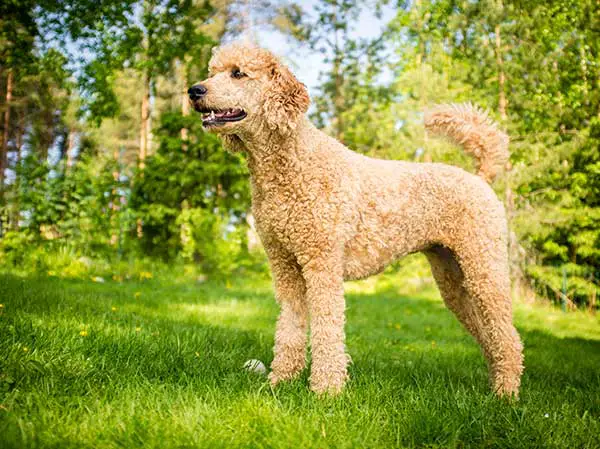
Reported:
(88, 365)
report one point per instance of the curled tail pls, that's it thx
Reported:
(478, 134)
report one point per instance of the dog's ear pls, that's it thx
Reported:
(233, 143)
(286, 100)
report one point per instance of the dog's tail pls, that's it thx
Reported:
(478, 134)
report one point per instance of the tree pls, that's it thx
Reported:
(17, 33)
(532, 64)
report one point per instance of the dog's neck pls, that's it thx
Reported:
(273, 156)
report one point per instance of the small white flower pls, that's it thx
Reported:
(546, 415)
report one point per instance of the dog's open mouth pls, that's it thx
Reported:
(219, 117)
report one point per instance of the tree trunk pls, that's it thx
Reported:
(421, 46)
(114, 209)
(16, 209)
(515, 258)
(185, 105)
(502, 104)
(6, 130)
(423, 100)
(20, 135)
(70, 148)
(338, 82)
(144, 134)
(584, 74)
(598, 82)
(185, 111)
(338, 99)
(145, 121)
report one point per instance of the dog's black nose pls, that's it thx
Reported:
(196, 91)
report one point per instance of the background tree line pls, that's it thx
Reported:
(101, 158)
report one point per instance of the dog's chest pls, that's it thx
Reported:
(278, 212)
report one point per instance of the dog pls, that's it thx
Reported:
(326, 214)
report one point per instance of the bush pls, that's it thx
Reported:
(218, 247)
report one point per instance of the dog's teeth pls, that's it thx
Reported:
(212, 114)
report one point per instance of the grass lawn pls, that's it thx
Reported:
(158, 364)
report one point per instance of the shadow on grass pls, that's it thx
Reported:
(424, 331)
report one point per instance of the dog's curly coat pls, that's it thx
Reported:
(326, 214)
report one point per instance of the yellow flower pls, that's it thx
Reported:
(197, 354)
(1, 306)
(228, 285)
(138, 329)
(83, 333)
(397, 326)
(137, 295)
(25, 349)
(113, 308)
(51, 273)
(145, 275)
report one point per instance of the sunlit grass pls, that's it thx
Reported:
(158, 363)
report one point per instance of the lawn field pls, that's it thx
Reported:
(159, 364)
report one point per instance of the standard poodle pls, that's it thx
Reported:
(326, 214)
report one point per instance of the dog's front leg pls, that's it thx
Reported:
(290, 336)
(325, 296)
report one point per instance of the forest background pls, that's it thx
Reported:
(106, 173)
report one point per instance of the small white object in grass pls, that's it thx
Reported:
(255, 366)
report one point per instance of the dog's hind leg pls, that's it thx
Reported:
(476, 287)
(449, 278)
(291, 333)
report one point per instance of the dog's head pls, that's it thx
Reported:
(248, 92)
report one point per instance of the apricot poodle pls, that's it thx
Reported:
(326, 214)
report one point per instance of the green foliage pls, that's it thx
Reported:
(164, 32)
(73, 184)
(67, 206)
(74, 189)
(537, 65)
(203, 186)
(207, 241)
(11, 248)
(17, 32)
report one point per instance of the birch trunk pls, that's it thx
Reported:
(145, 120)
(427, 157)
(338, 80)
(115, 204)
(70, 149)
(502, 103)
(6, 130)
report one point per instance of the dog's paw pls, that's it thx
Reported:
(276, 377)
(330, 382)
(329, 389)
(286, 366)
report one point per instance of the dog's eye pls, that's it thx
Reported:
(237, 74)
